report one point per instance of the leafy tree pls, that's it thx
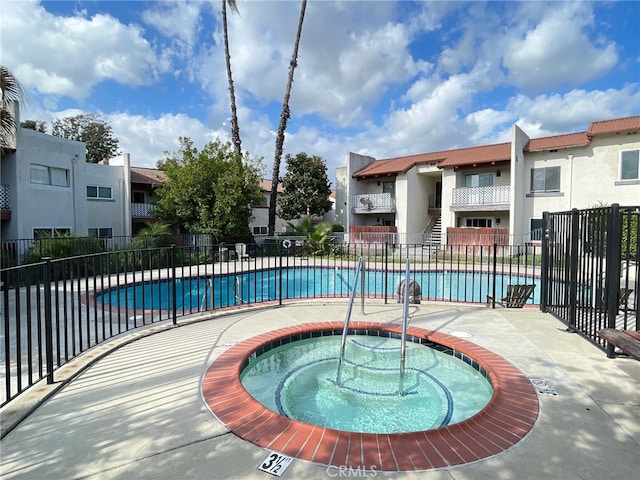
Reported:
(12, 93)
(306, 187)
(209, 191)
(38, 126)
(284, 118)
(235, 128)
(90, 129)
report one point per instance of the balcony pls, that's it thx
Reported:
(143, 210)
(5, 205)
(481, 198)
(373, 203)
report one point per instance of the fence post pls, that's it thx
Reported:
(612, 279)
(495, 268)
(174, 295)
(362, 284)
(48, 319)
(573, 269)
(280, 277)
(544, 262)
(386, 270)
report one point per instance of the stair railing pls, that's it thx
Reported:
(343, 341)
(403, 338)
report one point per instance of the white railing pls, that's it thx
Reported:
(496, 195)
(144, 210)
(372, 202)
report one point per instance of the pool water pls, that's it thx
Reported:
(298, 380)
(290, 283)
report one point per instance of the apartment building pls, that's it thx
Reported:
(493, 189)
(47, 187)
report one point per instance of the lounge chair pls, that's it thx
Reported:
(517, 296)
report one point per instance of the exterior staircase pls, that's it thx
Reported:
(432, 234)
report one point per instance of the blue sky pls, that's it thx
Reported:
(380, 78)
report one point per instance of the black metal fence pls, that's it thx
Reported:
(591, 270)
(55, 309)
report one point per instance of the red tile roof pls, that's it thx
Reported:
(617, 125)
(148, 176)
(490, 154)
(265, 186)
(463, 156)
(558, 141)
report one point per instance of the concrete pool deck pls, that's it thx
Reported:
(134, 409)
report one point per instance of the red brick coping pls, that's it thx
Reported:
(503, 422)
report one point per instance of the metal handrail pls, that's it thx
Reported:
(405, 316)
(237, 285)
(343, 341)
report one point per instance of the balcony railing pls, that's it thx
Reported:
(143, 210)
(373, 203)
(475, 196)
(4, 198)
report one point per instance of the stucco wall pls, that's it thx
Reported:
(35, 205)
(412, 207)
(588, 176)
(103, 213)
(48, 206)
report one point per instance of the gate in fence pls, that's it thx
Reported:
(590, 270)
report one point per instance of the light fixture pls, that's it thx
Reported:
(498, 173)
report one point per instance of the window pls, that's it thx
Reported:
(478, 222)
(50, 232)
(99, 192)
(101, 232)
(389, 187)
(44, 175)
(545, 179)
(260, 230)
(629, 162)
(478, 180)
(537, 224)
(264, 202)
(138, 197)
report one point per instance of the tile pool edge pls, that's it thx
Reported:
(504, 421)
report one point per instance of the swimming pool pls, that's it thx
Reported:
(290, 283)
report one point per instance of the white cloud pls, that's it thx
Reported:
(147, 138)
(558, 51)
(557, 114)
(339, 75)
(67, 56)
(175, 19)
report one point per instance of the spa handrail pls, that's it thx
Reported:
(343, 341)
(405, 317)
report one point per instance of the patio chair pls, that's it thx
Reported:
(241, 251)
(623, 299)
(517, 296)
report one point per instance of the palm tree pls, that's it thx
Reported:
(284, 118)
(12, 93)
(235, 128)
